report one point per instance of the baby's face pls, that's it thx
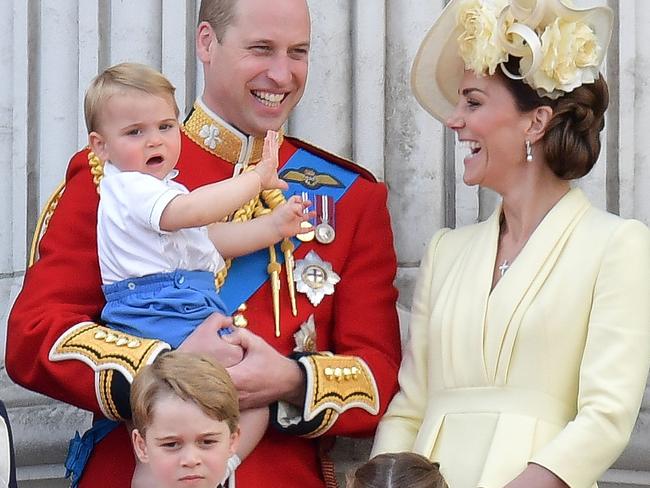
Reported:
(185, 447)
(138, 132)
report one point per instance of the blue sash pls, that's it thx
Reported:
(248, 273)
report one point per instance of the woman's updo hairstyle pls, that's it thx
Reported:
(571, 143)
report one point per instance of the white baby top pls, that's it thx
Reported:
(130, 242)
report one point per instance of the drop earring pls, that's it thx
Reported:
(529, 151)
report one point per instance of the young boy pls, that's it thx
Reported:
(159, 245)
(186, 423)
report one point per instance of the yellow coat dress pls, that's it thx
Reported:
(549, 367)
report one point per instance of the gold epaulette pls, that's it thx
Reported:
(106, 350)
(336, 384)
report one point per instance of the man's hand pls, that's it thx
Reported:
(205, 340)
(264, 375)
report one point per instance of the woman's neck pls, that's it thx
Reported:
(525, 206)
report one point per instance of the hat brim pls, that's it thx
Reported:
(438, 68)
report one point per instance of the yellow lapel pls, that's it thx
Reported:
(516, 290)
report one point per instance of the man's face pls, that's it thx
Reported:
(256, 74)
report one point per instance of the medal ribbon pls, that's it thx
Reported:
(248, 273)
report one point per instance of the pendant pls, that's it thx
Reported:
(504, 267)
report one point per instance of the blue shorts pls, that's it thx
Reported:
(165, 306)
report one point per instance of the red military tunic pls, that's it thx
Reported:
(56, 347)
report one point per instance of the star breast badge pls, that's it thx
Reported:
(315, 277)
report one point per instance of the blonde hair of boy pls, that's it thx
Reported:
(191, 377)
(118, 79)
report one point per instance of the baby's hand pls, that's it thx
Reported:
(267, 168)
(288, 216)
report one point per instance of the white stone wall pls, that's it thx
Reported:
(357, 104)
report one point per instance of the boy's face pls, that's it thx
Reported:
(185, 447)
(138, 132)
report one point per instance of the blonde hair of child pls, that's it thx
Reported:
(117, 80)
(191, 377)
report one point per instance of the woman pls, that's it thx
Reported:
(530, 332)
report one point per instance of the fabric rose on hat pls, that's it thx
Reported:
(479, 45)
(570, 58)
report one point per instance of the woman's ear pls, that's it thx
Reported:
(540, 117)
(139, 446)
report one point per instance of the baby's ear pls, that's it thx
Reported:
(139, 446)
(97, 145)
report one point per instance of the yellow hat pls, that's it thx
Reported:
(561, 47)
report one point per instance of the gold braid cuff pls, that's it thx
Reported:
(106, 350)
(336, 384)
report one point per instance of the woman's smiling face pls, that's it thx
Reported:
(492, 129)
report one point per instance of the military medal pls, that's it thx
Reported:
(306, 336)
(324, 231)
(315, 278)
(308, 235)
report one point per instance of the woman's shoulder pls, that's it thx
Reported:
(608, 227)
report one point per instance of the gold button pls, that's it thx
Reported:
(338, 373)
(242, 308)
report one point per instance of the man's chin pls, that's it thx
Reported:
(261, 126)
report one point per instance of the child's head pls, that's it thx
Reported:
(132, 119)
(185, 415)
(397, 470)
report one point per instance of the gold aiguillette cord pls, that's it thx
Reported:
(274, 270)
(287, 249)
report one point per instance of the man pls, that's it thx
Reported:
(255, 55)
